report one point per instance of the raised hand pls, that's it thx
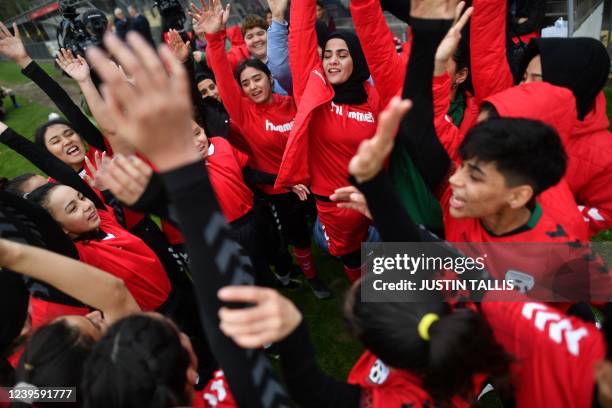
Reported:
(210, 19)
(433, 9)
(301, 191)
(77, 68)
(271, 318)
(449, 44)
(179, 47)
(278, 9)
(12, 47)
(373, 152)
(350, 197)
(126, 177)
(95, 169)
(154, 114)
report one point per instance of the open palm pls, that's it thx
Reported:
(11, 45)
(76, 68)
(209, 20)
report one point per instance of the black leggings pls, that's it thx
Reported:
(291, 217)
(250, 232)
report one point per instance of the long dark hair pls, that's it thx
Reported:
(459, 343)
(139, 362)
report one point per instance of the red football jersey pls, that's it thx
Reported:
(129, 258)
(554, 354)
(336, 131)
(388, 387)
(540, 251)
(225, 164)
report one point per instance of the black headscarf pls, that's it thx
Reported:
(322, 33)
(352, 91)
(580, 64)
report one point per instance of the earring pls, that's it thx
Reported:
(454, 85)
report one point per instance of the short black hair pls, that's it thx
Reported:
(525, 151)
(39, 136)
(253, 63)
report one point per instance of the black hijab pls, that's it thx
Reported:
(352, 91)
(579, 64)
(322, 33)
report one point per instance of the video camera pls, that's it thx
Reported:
(77, 34)
(172, 14)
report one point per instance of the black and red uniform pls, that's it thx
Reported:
(325, 136)
(265, 129)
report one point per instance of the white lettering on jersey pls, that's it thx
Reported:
(557, 329)
(378, 373)
(285, 127)
(358, 116)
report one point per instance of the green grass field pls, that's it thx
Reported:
(24, 120)
(337, 351)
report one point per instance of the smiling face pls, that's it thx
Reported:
(337, 61)
(75, 213)
(65, 144)
(208, 88)
(200, 139)
(256, 40)
(480, 190)
(256, 85)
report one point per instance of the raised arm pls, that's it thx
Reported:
(90, 285)
(210, 23)
(417, 133)
(386, 66)
(12, 47)
(278, 45)
(489, 63)
(48, 163)
(448, 134)
(216, 260)
(78, 69)
(303, 55)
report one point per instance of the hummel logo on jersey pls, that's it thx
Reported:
(271, 127)
(558, 329)
(358, 116)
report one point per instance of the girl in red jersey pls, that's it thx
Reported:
(102, 242)
(337, 110)
(265, 120)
